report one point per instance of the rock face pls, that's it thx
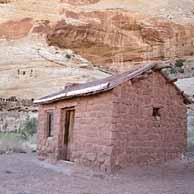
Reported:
(80, 2)
(114, 34)
(31, 69)
(4, 1)
(115, 37)
(15, 29)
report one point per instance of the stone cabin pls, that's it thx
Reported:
(135, 118)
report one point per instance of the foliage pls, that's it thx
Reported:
(173, 70)
(179, 63)
(178, 67)
(68, 56)
(23, 140)
(191, 139)
(29, 128)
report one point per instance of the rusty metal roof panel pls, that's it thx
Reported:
(97, 86)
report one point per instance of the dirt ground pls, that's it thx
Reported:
(24, 174)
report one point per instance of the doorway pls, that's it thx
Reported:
(68, 123)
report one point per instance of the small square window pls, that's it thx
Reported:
(156, 113)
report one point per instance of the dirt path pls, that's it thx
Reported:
(23, 173)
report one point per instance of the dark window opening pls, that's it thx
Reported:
(50, 123)
(156, 113)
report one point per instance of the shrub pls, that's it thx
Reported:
(68, 56)
(191, 139)
(29, 128)
(179, 63)
(22, 141)
(173, 70)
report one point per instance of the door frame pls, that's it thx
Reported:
(67, 130)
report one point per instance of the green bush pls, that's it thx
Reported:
(29, 128)
(191, 139)
(173, 70)
(179, 63)
(23, 140)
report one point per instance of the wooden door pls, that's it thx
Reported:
(68, 124)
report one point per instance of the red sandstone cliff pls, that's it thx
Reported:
(15, 29)
(109, 33)
(115, 36)
(80, 2)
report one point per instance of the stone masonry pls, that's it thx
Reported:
(142, 121)
(140, 138)
(91, 134)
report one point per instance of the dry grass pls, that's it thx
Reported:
(11, 143)
(16, 143)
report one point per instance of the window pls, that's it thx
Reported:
(156, 113)
(50, 124)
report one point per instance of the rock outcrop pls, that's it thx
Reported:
(15, 29)
(30, 68)
(80, 2)
(114, 34)
(114, 37)
(4, 1)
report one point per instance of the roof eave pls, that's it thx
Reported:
(186, 98)
(77, 93)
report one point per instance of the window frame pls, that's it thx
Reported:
(156, 113)
(69, 121)
(50, 123)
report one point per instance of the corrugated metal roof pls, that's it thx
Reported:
(97, 86)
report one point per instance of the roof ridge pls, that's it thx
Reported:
(103, 85)
(95, 86)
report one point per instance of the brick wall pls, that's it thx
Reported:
(92, 135)
(138, 136)
(117, 128)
